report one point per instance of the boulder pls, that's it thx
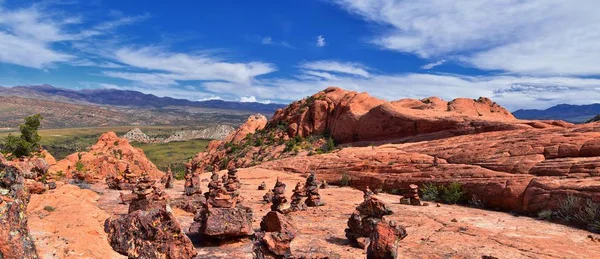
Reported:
(273, 241)
(221, 223)
(148, 234)
(384, 241)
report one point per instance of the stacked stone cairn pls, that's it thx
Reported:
(192, 199)
(324, 185)
(367, 228)
(268, 197)
(313, 198)
(411, 196)
(223, 216)
(279, 200)
(262, 186)
(124, 181)
(167, 179)
(277, 230)
(296, 199)
(149, 230)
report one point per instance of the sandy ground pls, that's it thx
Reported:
(433, 232)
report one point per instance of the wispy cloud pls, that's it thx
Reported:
(337, 67)
(526, 37)
(321, 41)
(434, 64)
(173, 67)
(28, 36)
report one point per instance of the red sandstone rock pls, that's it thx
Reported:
(15, 240)
(277, 232)
(384, 241)
(111, 155)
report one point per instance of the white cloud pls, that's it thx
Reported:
(185, 67)
(29, 36)
(338, 67)
(552, 37)
(321, 41)
(249, 99)
(267, 41)
(434, 64)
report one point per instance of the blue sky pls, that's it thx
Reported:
(522, 54)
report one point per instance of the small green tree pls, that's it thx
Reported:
(28, 142)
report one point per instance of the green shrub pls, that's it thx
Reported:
(49, 208)
(345, 180)
(568, 207)
(453, 193)
(545, 214)
(179, 175)
(28, 142)
(79, 166)
(430, 192)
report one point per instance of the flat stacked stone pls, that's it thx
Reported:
(313, 198)
(222, 215)
(192, 199)
(411, 196)
(365, 218)
(262, 186)
(268, 197)
(367, 193)
(279, 200)
(296, 199)
(123, 181)
(149, 230)
(167, 179)
(324, 185)
(147, 196)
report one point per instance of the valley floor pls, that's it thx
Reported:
(447, 231)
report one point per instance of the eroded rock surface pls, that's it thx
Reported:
(111, 155)
(15, 240)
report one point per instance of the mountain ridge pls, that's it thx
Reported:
(567, 112)
(128, 98)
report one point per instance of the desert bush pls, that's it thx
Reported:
(345, 180)
(545, 214)
(568, 207)
(453, 193)
(179, 175)
(430, 192)
(79, 166)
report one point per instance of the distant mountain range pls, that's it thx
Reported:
(566, 112)
(129, 98)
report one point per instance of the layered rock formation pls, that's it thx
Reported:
(524, 170)
(273, 241)
(336, 116)
(111, 155)
(15, 240)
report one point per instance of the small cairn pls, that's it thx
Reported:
(222, 215)
(147, 196)
(192, 199)
(149, 230)
(232, 183)
(278, 199)
(268, 197)
(273, 241)
(192, 183)
(313, 198)
(262, 186)
(324, 185)
(411, 196)
(124, 181)
(167, 179)
(362, 223)
(296, 199)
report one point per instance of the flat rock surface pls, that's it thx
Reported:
(447, 231)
